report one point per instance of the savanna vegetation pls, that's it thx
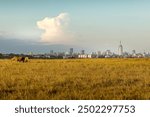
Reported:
(75, 79)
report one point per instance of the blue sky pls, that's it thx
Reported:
(95, 24)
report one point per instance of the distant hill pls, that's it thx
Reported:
(25, 46)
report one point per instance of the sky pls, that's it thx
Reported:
(86, 24)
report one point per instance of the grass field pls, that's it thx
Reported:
(75, 79)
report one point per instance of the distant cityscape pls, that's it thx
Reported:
(82, 54)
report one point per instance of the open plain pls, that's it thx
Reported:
(75, 79)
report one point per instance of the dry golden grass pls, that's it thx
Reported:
(75, 79)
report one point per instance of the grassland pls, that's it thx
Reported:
(75, 79)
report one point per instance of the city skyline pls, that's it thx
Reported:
(121, 52)
(73, 54)
(94, 25)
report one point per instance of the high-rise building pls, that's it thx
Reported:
(120, 49)
(98, 53)
(133, 52)
(71, 51)
(82, 51)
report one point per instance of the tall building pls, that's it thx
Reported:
(71, 51)
(108, 52)
(133, 52)
(120, 49)
(82, 51)
(98, 53)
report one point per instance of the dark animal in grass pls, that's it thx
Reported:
(20, 59)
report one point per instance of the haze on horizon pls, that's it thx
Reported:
(92, 24)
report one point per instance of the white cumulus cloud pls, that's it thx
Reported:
(55, 29)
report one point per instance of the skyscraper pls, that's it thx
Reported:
(82, 51)
(71, 51)
(120, 49)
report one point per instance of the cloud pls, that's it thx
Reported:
(55, 29)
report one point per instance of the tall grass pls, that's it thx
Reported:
(75, 79)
